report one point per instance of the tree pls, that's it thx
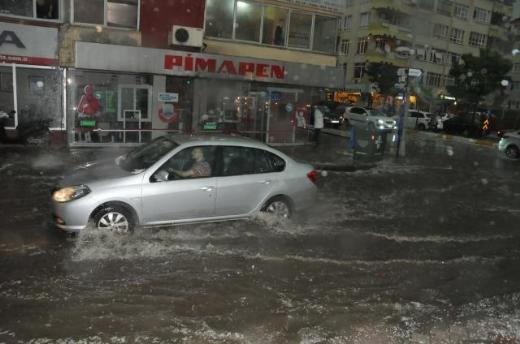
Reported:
(477, 76)
(385, 75)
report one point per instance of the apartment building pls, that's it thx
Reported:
(125, 71)
(426, 34)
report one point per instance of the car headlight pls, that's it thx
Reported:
(380, 121)
(70, 193)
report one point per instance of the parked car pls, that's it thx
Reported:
(370, 119)
(437, 122)
(331, 118)
(467, 125)
(509, 144)
(418, 119)
(183, 179)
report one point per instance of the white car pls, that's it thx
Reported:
(371, 119)
(416, 119)
(509, 144)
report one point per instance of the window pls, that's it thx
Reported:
(300, 30)
(275, 25)
(244, 160)
(45, 9)
(219, 18)
(516, 67)
(457, 35)
(118, 13)
(324, 34)
(481, 15)
(344, 46)
(440, 31)
(433, 79)
(461, 11)
(347, 23)
(454, 58)
(362, 46)
(192, 162)
(425, 4)
(247, 21)
(477, 39)
(444, 7)
(359, 70)
(364, 19)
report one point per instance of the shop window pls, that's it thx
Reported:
(45, 9)
(324, 34)
(38, 95)
(248, 21)
(275, 25)
(219, 18)
(300, 30)
(118, 13)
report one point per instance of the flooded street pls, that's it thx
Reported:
(423, 249)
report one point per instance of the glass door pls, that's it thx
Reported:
(134, 112)
(7, 95)
(280, 124)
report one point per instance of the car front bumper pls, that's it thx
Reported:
(73, 216)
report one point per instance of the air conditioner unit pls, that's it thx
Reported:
(186, 36)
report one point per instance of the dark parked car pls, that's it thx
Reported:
(468, 125)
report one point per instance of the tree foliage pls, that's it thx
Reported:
(385, 75)
(477, 76)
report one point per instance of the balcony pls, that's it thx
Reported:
(382, 28)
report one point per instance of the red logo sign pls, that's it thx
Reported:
(211, 65)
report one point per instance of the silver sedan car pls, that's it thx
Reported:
(183, 179)
(509, 144)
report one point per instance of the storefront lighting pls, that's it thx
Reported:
(242, 5)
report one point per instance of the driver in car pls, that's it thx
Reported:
(201, 168)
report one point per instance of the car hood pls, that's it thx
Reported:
(383, 118)
(94, 171)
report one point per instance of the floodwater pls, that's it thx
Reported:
(424, 249)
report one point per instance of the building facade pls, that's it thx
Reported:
(124, 72)
(427, 34)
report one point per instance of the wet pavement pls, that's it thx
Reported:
(422, 249)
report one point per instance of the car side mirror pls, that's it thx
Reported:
(160, 176)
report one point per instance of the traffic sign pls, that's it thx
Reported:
(414, 72)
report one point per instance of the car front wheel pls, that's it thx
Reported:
(278, 206)
(512, 152)
(114, 218)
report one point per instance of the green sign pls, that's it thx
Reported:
(210, 126)
(87, 123)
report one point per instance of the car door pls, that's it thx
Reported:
(246, 180)
(167, 197)
(411, 120)
(357, 116)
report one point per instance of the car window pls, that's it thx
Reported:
(238, 160)
(146, 155)
(192, 162)
(356, 110)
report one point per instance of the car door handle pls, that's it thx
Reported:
(267, 181)
(207, 188)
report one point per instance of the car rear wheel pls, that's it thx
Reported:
(278, 206)
(115, 219)
(421, 127)
(512, 152)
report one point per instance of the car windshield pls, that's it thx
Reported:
(146, 155)
(376, 112)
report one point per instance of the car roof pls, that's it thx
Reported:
(218, 139)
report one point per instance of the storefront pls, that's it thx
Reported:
(30, 80)
(135, 94)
